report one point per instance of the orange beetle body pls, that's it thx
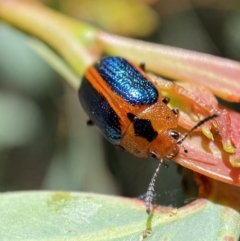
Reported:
(128, 108)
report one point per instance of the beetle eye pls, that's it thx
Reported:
(174, 135)
(153, 155)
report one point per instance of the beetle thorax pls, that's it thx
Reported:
(151, 131)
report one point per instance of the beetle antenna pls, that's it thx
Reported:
(150, 190)
(201, 122)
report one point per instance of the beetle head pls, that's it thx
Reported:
(165, 145)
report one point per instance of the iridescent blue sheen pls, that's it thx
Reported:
(100, 112)
(125, 80)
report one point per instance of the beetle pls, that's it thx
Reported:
(127, 107)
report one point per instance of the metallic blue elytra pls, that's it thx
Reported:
(100, 112)
(125, 80)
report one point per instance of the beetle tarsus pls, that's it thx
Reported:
(175, 111)
(90, 123)
(166, 100)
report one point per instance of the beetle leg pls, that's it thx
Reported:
(120, 147)
(166, 100)
(142, 66)
(90, 123)
(175, 111)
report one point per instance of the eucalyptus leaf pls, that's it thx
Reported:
(84, 216)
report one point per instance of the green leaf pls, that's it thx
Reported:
(85, 216)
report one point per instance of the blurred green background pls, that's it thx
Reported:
(44, 140)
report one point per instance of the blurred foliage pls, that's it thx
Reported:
(129, 17)
(44, 142)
